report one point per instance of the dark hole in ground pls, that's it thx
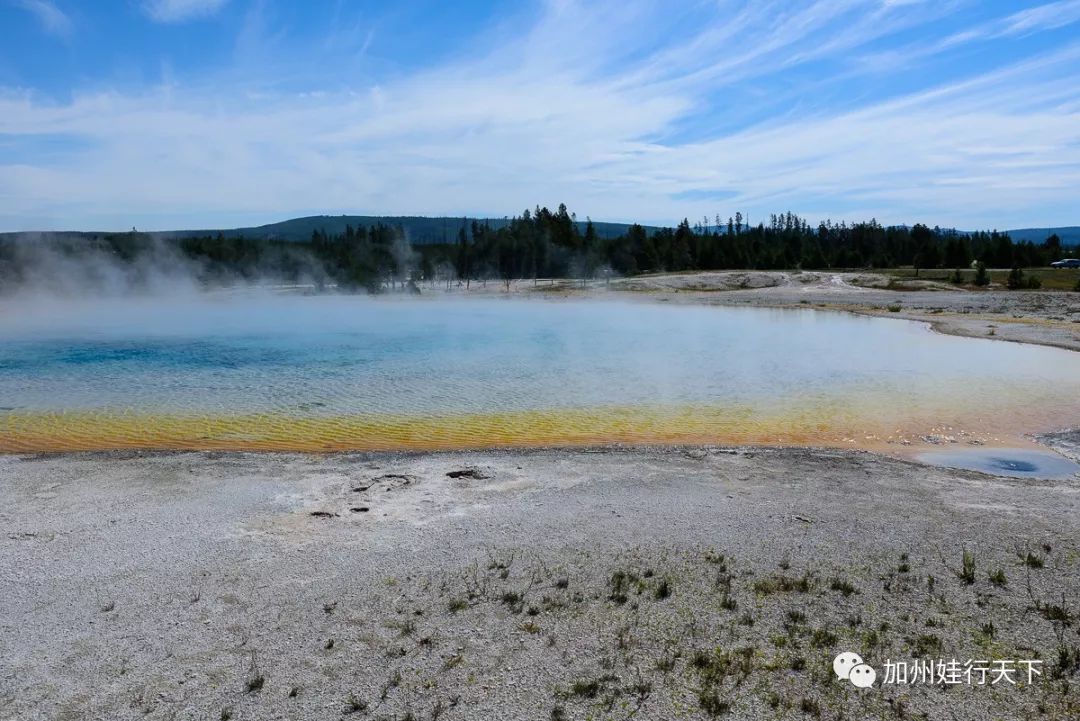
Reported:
(474, 473)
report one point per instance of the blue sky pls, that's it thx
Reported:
(214, 113)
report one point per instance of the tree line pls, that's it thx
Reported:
(549, 244)
(542, 243)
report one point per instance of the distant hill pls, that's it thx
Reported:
(419, 230)
(1070, 235)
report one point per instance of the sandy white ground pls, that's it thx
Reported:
(539, 584)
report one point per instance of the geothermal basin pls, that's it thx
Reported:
(259, 371)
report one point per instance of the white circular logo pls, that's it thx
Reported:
(843, 664)
(863, 676)
(849, 666)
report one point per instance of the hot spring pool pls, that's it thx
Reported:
(255, 371)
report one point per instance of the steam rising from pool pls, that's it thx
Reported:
(256, 370)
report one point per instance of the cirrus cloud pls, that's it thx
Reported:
(53, 20)
(175, 11)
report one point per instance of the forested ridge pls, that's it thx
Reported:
(542, 243)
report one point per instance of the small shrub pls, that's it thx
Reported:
(1015, 280)
(712, 704)
(982, 278)
(785, 584)
(822, 638)
(967, 568)
(926, 645)
(998, 577)
(842, 585)
(389, 685)
(405, 628)
(1055, 613)
(587, 688)
(1067, 662)
(354, 704)
(619, 585)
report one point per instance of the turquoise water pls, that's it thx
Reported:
(346, 357)
(1017, 463)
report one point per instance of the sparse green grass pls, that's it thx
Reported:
(1066, 663)
(405, 628)
(1050, 278)
(389, 685)
(639, 650)
(842, 585)
(355, 704)
(784, 584)
(590, 687)
(711, 703)
(1032, 560)
(1056, 613)
(925, 645)
(619, 585)
(822, 638)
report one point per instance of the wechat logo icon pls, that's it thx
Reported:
(850, 667)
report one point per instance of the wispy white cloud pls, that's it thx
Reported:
(549, 115)
(174, 11)
(53, 20)
(1044, 17)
